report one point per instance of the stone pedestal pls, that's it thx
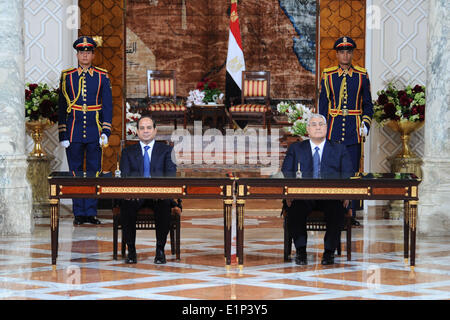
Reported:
(37, 174)
(403, 165)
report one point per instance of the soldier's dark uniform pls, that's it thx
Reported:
(345, 100)
(85, 113)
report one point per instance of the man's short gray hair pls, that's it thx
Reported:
(315, 116)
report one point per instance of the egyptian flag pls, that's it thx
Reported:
(235, 59)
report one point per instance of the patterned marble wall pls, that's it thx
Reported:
(49, 29)
(192, 38)
(399, 51)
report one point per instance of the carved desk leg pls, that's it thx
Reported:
(412, 226)
(227, 210)
(240, 231)
(406, 231)
(54, 227)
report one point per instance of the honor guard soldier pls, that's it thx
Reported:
(84, 124)
(346, 102)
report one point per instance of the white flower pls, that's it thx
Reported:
(195, 97)
(298, 115)
(131, 128)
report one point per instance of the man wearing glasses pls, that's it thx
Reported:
(317, 158)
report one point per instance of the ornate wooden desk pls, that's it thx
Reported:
(400, 186)
(65, 185)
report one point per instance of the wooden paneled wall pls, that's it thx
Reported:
(341, 18)
(106, 19)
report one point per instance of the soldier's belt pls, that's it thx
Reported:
(345, 112)
(87, 108)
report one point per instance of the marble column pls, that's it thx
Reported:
(434, 191)
(15, 191)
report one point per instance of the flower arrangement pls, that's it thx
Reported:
(298, 115)
(41, 102)
(195, 97)
(205, 92)
(131, 122)
(407, 104)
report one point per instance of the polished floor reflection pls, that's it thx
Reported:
(86, 270)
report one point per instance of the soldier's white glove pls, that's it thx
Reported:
(103, 140)
(363, 130)
(65, 143)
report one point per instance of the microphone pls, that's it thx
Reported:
(117, 173)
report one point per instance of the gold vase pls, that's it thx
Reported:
(405, 128)
(36, 130)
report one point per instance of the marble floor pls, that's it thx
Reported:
(86, 270)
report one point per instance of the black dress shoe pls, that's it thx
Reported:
(92, 219)
(160, 257)
(300, 259)
(328, 258)
(78, 220)
(131, 259)
(355, 222)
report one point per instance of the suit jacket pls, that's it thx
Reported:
(161, 164)
(335, 162)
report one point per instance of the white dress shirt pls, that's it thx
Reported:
(321, 146)
(149, 151)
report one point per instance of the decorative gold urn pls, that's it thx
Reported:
(36, 129)
(405, 128)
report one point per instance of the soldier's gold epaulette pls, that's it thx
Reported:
(101, 69)
(331, 69)
(68, 70)
(360, 69)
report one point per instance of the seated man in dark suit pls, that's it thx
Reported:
(147, 159)
(317, 157)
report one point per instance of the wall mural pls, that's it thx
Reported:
(191, 37)
(302, 15)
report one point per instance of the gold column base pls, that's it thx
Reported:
(403, 165)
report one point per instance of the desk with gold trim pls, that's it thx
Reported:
(367, 186)
(237, 189)
(65, 185)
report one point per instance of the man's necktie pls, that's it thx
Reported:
(146, 162)
(316, 163)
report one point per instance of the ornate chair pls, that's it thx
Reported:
(162, 95)
(255, 99)
(146, 221)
